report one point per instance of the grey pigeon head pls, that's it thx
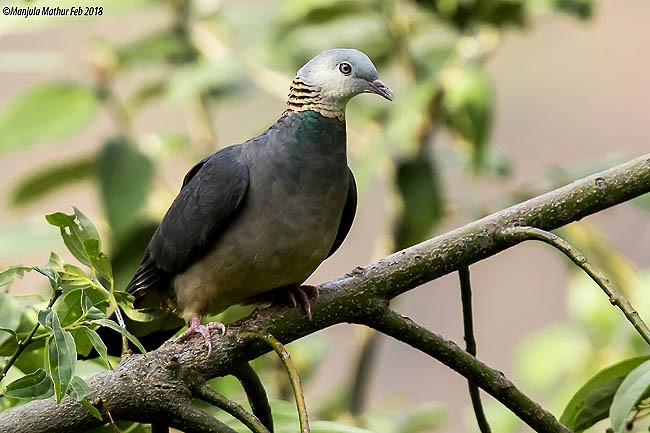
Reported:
(337, 75)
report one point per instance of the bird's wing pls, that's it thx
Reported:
(211, 195)
(349, 210)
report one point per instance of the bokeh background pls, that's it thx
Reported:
(492, 106)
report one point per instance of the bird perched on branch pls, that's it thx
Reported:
(261, 216)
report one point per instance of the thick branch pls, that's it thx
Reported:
(351, 298)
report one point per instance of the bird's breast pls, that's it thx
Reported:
(286, 227)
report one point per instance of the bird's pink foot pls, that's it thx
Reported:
(196, 327)
(300, 295)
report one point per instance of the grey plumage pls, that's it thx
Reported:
(264, 214)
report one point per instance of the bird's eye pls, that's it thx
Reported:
(345, 68)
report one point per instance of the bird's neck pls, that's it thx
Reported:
(303, 97)
(308, 134)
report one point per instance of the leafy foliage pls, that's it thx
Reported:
(592, 402)
(77, 307)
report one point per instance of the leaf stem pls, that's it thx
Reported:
(362, 372)
(285, 357)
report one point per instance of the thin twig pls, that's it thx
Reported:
(111, 421)
(519, 234)
(362, 372)
(492, 381)
(22, 344)
(207, 394)
(285, 357)
(470, 345)
(255, 393)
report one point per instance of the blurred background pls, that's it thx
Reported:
(496, 101)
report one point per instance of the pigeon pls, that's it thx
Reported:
(261, 216)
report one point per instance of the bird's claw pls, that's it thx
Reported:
(301, 294)
(196, 327)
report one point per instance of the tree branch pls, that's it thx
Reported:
(255, 393)
(169, 372)
(207, 394)
(362, 372)
(190, 419)
(470, 345)
(290, 367)
(615, 298)
(492, 381)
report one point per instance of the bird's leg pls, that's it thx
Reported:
(196, 327)
(300, 294)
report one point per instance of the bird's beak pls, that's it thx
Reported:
(380, 89)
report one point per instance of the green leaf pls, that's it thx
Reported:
(49, 179)
(419, 185)
(108, 323)
(591, 402)
(10, 331)
(468, 100)
(308, 12)
(167, 45)
(72, 233)
(92, 409)
(10, 314)
(218, 79)
(468, 14)
(123, 298)
(88, 306)
(35, 385)
(46, 112)
(70, 307)
(11, 273)
(52, 275)
(634, 387)
(73, 277)
(61, 355)
(55, 261)
(78, 389)
(98, 344)
(582, 9)
(125, 175)
(82, 240)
